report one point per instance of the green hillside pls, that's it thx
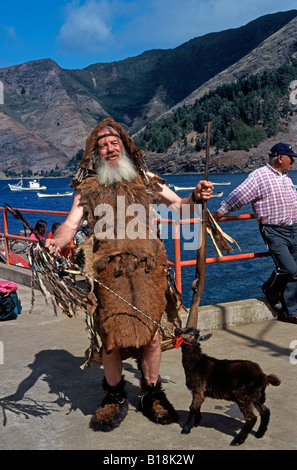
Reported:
(242, 114)
(125, 88)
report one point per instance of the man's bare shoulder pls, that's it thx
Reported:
(156, 178)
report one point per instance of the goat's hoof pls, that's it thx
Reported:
(237, 441)
(185, 430)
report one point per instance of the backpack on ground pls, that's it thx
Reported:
(10, 304)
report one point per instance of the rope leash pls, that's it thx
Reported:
(178, 340)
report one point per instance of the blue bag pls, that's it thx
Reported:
(10, 306)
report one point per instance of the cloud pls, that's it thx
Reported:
(169, 23)
(87, 28)
(10, 32)
(116, 29)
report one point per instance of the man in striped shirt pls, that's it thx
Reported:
(274, 202)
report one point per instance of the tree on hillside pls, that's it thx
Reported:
(242, 114)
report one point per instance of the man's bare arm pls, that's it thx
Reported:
(203, 190)
(68, 229)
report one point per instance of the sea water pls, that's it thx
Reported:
(228, 281)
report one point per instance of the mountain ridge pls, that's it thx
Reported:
(61, 106)
(277, 49)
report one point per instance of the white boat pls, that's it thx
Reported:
(184, 188)
(190, 188)
(219, 194)
(67, 193)
(177, 188)
(33, 185)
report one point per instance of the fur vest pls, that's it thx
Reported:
(127, 256)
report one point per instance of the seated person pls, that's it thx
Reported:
(66, 250)
(40, 227)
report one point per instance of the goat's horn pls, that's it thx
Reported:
(204, 337)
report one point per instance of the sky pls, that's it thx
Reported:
(78, 33)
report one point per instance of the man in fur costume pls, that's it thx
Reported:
(111, 179)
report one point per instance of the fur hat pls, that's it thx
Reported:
(87, 165)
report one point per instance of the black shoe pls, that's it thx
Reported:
(288, 319)
(154, 404)
(278, 305)
(273, 300)
(113, 409)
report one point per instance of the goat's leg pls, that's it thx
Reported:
(194, 416)
(246, 408)
(190, 422)
(265, 415)
(197, 418)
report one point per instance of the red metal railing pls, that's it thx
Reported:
(178, 263)
(6, 236)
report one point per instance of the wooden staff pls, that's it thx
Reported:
(199, 281)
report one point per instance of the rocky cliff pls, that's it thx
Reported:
(270, 54)
(49, 111)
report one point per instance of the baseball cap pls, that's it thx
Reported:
(282, 149)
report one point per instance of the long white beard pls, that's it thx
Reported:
(124, 171)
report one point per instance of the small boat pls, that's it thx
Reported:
(177, 188)
(219, 194)
(184, 188)
(33, 185)
(67, 193)
(190, 188)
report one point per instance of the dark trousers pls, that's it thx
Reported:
(281, 241)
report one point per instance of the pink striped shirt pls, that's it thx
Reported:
(272, 195)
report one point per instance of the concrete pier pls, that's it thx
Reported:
(47, 400)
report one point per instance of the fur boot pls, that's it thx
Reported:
(154, 404)
(113, 409)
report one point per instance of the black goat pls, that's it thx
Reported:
(235, 380)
